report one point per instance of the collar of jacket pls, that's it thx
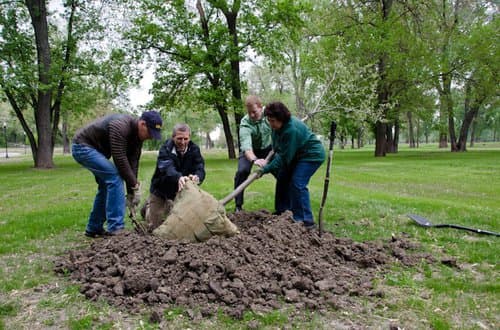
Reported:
(174, 150)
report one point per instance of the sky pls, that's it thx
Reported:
(140, 95)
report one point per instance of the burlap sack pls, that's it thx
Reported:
(195, 216)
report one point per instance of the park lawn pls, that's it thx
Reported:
(44, 212)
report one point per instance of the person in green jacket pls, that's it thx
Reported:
(298, 155)
(255, 143)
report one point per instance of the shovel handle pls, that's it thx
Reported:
(251, 178)
(474, 230)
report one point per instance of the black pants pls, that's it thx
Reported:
(244, 168)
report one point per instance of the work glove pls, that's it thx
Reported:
(134, 197)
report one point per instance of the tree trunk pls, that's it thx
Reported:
(389, 139)
(382, 91)
(208, 141)
(38, 13)
(24, 123)
(445, 111)
(411, 135)
(395, 140)
(472, 132)
(418, 133)
(65, 138)
(451, 128)
(380, 140)
(472, 103)
(221, 109)
(360, 138)
(231, 20)
(215, 81)
(70, 49)
(448, 103)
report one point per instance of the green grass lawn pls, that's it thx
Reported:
(44, 213)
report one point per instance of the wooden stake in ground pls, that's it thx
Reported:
(333, 127)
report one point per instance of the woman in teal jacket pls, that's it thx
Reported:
(298, 155)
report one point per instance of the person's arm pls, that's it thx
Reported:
(250, 155)
(199, 165)
(166, 166)
(119, 130)
(285, 147)
(246, 131)
(195, 164)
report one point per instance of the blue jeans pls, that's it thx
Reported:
(292, 192)
(109, 202)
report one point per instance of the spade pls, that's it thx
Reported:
(426, 223)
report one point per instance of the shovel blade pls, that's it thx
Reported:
(420, 220)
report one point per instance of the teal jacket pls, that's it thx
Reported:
(294, 141)
(254, 135)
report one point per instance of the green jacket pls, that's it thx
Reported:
(254, 135)
(294, 142)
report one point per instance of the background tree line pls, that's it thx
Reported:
(379, 68)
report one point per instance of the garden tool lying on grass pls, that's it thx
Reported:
(196, 215)
(426, 223)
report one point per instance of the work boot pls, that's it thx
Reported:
(93, 234)
(117, 232)
(309, 225)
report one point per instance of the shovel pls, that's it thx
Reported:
(251, 178)
(139, 227)
(426, 223)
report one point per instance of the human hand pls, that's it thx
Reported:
(260, 162)
(182, 182)
(194, 178)
(134, 197)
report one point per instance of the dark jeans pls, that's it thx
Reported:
(244, 168)
(292, 192)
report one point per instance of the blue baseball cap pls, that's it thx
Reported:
(153, 122)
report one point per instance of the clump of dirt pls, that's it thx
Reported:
(272, 262)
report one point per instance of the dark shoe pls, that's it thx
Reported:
(310, 225)
(117, 232)
(97, 234)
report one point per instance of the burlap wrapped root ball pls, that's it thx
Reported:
(195, 216)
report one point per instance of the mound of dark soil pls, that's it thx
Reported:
(273, 261)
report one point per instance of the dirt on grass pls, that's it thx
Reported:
(273, 263)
